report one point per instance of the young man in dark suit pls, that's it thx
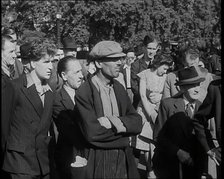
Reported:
(176, 148)
(26, 146)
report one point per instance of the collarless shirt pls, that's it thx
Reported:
(41, 89)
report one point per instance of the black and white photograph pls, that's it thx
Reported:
(111, 89)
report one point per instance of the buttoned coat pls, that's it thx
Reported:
(27, 139)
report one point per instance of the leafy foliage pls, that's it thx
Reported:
(126, 21)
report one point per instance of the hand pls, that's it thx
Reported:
(215, 154)
(154, 97)
(184, 157)
(105, 122)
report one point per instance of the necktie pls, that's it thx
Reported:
(11, 71)
(189, 110)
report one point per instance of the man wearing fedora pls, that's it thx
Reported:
(69, 46)
(191, 58)
(108, 117)
(176, 149)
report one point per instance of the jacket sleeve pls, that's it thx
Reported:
(94, 133)
(205, 112)
(8, 105)
(166, 89)
(131, 120)
(160, 120)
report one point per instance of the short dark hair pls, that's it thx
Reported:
(62, 64)
(148, 39)
(34, 50)
(162, 58)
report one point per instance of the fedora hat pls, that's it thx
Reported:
(69, 43)
(108, 49)
(190, 75)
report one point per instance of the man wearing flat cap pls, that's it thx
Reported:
(177, 148)
(108, 118)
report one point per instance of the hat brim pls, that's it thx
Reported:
(116, 55)
(190, 81)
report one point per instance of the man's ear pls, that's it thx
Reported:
(98, 64)
(33, 64)
(63, 76)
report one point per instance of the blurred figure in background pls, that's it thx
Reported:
(151, 46)
(126, 71)
(69, 46)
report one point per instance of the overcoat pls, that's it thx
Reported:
(103, 140)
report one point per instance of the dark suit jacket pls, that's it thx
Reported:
(168, 107)
(173, 131)
(27, 140)
(103, 140)
(70, 140)
(211, 107)
(136, 67)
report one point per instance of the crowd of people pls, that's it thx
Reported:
(69, 113)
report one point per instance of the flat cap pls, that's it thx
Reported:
(109, 49)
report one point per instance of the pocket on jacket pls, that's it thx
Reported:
(18, 147)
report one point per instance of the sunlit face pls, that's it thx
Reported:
(192, 91)
(191, 61)
(73, 76)
(9, 52)
(43, 67)
(152, 49)
(59, 55)
(110, 68)
(130, 58)
(161, 70)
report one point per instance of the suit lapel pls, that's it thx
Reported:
(197, 104)
(66, 100)
(179, 104)
(34, 99)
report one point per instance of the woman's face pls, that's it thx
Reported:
(161, 70)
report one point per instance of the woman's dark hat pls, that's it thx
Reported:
(190, 75)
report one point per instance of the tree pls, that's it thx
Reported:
(126, 21)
